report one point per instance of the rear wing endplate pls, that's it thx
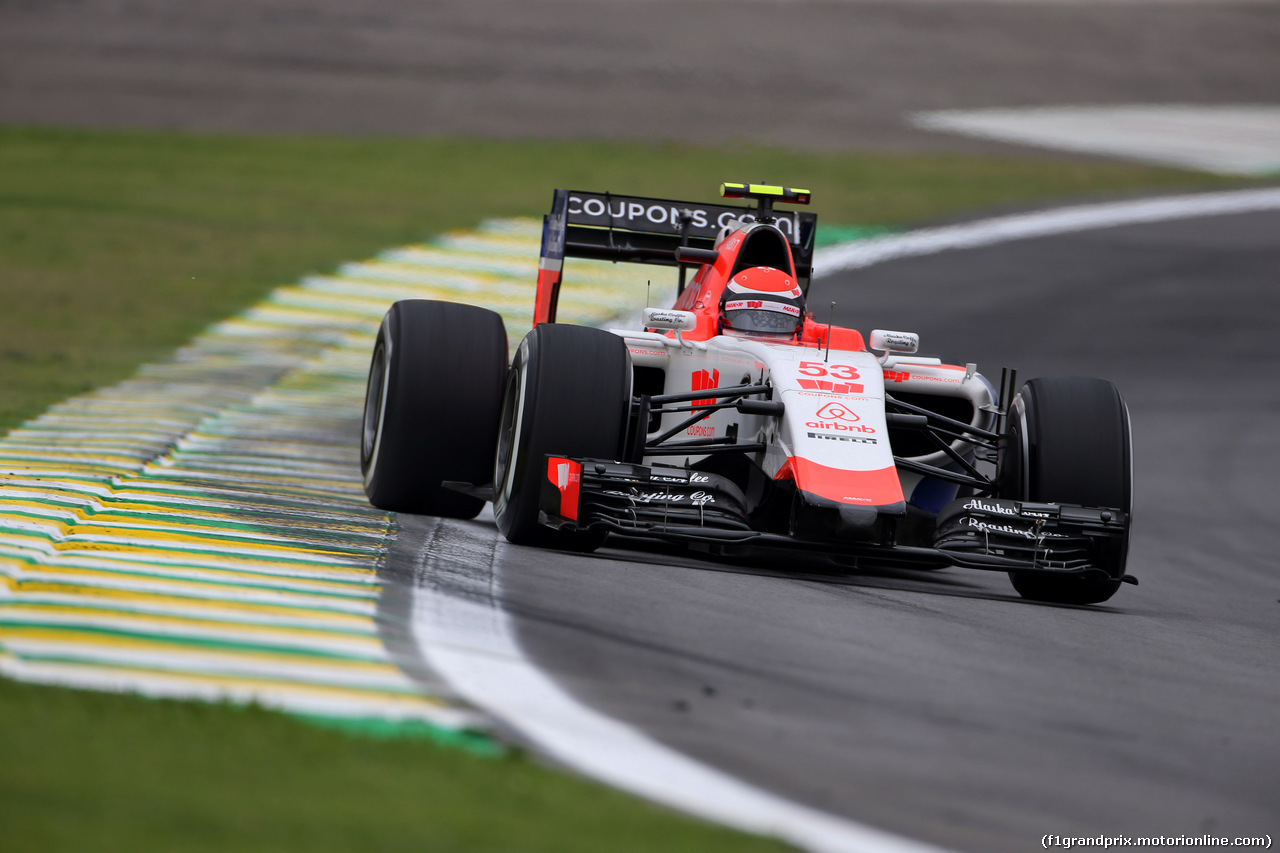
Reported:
(639, 230)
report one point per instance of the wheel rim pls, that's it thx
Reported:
(1011, 474)
(373, 404)
(1022, 469)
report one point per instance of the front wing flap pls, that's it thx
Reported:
(1061, 538)
(654, 500)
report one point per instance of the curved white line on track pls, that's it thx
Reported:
(473, 645)
(1046, 223)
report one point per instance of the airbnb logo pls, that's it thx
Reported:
(838, 426)
(839, 417)
(837, 411)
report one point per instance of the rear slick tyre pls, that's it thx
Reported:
(568, 394)
(431, 406)
(1068, 441)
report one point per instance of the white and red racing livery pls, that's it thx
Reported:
(734, 419)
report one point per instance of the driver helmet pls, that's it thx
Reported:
(762, 301)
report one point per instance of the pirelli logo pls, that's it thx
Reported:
(830, 437)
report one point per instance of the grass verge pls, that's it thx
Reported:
(91, 771)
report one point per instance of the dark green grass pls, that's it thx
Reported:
(99, 772)
(116, 247)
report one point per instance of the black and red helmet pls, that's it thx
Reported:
(762, 301)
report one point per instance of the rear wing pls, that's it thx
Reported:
(640, 230)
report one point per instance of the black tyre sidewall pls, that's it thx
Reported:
(434, 413)
(1069, 442)
(567, 394)
(1078, 443)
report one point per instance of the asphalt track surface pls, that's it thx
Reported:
(826, 74)
(939, 705)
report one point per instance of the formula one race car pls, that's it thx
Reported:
(735, 420)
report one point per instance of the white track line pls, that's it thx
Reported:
(473, 643)
(473, 646)
(1046, 223)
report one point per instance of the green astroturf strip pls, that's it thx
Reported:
(830, 235)
(383, 729)
(308, 614)
(187, 668)
(234, 547)
(111, 607)
(208, 529)
(179, 639)
(263, 582)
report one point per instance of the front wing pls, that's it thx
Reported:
(684, 505)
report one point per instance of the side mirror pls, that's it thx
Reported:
(667, 318)
(888, 342)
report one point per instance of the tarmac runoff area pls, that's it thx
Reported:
(803, 75)
(199, 531)
(1228, 140)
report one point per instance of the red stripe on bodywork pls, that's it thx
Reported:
(548, 293)
(863, 488)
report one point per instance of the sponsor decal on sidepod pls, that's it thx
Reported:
(1008, 529)
(996, 508)
(697, 498)
(693, 477)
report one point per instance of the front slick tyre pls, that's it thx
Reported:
(567, 394)
(1068, 442)
(431, 408)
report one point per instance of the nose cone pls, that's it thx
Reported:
(819, 518)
